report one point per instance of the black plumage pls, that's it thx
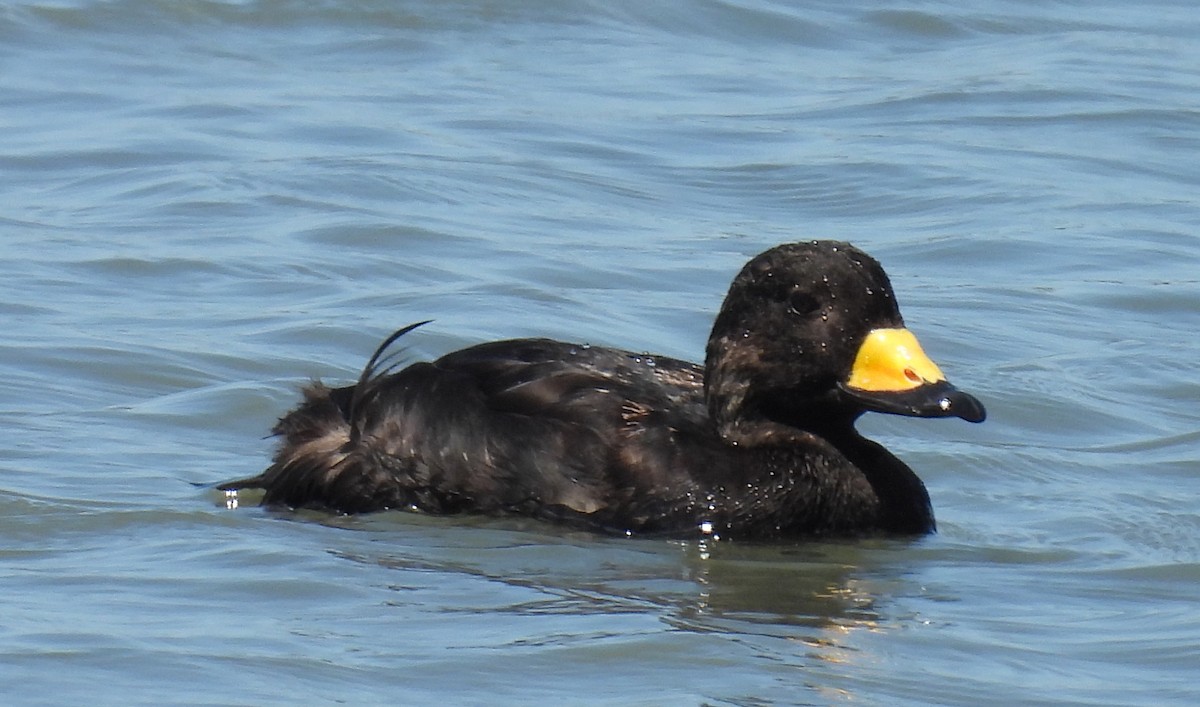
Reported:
(759, 442)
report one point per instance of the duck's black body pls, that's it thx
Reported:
(759, 442)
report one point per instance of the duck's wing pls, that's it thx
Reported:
(594, 435)
(546, 378)
(533, 426)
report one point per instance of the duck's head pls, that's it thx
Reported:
(811, 333)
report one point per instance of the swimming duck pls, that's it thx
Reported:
(759, 442)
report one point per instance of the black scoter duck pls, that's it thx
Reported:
(759, 442)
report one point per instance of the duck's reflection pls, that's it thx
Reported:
(815, 594)
(764, 586)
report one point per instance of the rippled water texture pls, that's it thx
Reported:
(206, 204)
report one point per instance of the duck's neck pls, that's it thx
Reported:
(728, 389)
(736, 410)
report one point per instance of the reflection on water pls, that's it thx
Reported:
(812, 586)
(812, 595)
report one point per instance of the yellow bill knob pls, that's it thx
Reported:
(892, 360)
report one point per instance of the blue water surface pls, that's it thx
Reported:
(206, 203)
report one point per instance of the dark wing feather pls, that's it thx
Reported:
(528, 426)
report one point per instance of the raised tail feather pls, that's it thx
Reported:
(371, 371)
(318, 437)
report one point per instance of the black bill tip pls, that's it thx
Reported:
(931, 400)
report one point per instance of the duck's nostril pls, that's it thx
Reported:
(912, 375)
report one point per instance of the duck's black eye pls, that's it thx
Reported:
(802, 303)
